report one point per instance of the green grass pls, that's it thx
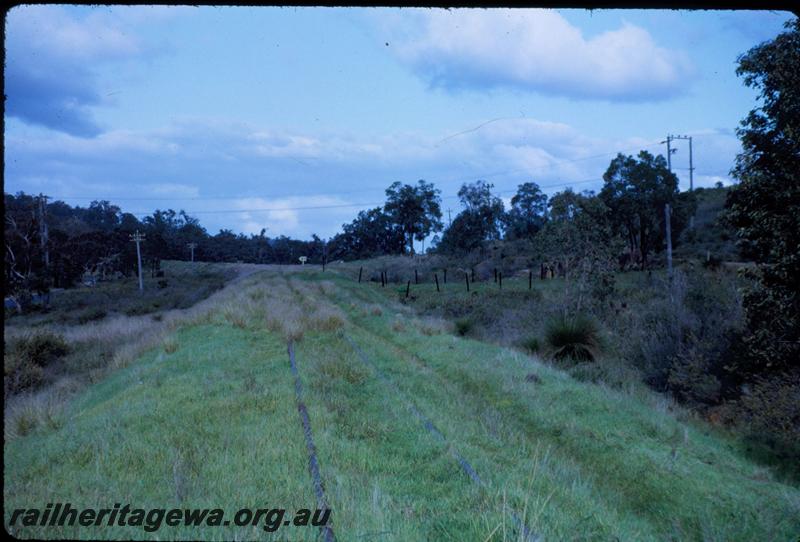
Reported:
(210, 421)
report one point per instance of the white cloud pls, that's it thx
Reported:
(52, 55)
(537, 50)
(52, 31)
(297, 215)
(210, 165)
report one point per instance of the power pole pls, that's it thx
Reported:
(192, 246)
(670, 150)
(449, 220)
(691, 164)
(691, 180)
(138, 238)
(691, 167)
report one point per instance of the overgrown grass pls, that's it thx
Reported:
(212, 422)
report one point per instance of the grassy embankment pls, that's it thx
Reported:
(88, 332)
(208, 418)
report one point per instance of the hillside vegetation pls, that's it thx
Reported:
(206, 417)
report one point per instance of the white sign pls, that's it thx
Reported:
(303, 260)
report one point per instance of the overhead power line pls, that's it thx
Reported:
(345, 205)
(530, 171)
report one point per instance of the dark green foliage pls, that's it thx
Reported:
(772, 410)
(636, 191)
(528, 212)
(575, 338)
(26, 357)
(531, 345)
(91, 314)
(578, 240)
(765, 206)
(481, 220)
(372, 233)
(464, 326)
(415, 209)
(682, 338)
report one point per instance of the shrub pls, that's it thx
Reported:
(464, 326)
(42, 346)
(91, 314)
(576, 338)
(771, 409)
(25, 359)
(170, 346)
(531, 345)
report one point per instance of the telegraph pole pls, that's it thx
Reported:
(192, 246)
(138, 238)
(691, 164)
(449, 220)
(670, 151)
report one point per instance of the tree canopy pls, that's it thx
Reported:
(481, 220)
(764, 206)
(416, 209)
(528, 212)
(635, 192)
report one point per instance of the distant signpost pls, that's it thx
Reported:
(303, 260)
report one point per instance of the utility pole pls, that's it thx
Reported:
(691, 164)
(449, 220)
(138, 238)
(670, 150)
(691, 180)
(691, 167)
(192, 246)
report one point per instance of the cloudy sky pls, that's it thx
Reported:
(294, 119)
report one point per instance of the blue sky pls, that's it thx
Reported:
(294, 119)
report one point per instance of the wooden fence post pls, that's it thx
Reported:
(530, 280)
(416, 277)
(408, 288)
(436, 278)
(445, 275)
(466, 278)
(360, 269)
(500, 279)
